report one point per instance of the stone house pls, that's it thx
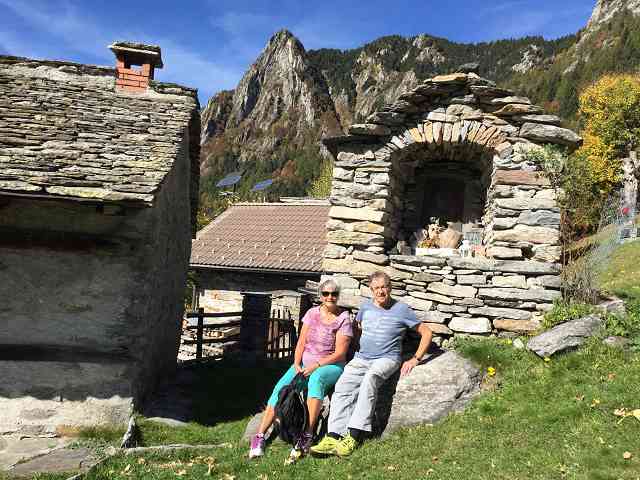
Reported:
(260, 247)
(454, 148)
(99, 171)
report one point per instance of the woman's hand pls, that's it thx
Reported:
(310, 369)
(298, 368)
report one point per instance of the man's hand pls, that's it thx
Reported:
(408, 366)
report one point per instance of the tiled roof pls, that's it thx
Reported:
(264, 236)
(67, 132)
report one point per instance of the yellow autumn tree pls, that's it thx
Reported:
(610, 112)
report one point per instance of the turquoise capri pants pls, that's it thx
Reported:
(319, 382)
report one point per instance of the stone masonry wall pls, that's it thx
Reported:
(92, 305)
(451, 119)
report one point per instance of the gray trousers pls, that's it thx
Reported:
(354, 399)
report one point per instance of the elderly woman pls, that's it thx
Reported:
(320, 356)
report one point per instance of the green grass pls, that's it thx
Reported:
(536, 420)
(622, 277)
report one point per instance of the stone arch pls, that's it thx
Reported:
(455, 121)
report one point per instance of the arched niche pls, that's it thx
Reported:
(454, 146)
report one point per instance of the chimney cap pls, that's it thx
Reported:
(139, 52)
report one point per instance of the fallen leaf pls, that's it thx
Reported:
(547, 359)
(142, 461)
(595, 402)
(391, 467)
(127, 468)
(491, 371)
(579, 398)
(636, 413)
(611, 376)
(620, 412)
(181, 473)
(627, 455)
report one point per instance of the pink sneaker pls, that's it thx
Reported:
(257, 446)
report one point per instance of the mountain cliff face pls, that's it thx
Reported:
(289, 98)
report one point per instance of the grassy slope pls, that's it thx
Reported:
(546, 420)
(622, 278)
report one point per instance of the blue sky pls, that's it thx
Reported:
(208, 44)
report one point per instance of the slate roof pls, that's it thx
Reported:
(264, 236)
(66, 132)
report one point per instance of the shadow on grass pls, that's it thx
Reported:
(230, 390)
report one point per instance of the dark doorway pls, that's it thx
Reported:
(444, 199)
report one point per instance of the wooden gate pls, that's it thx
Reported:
(282, 335)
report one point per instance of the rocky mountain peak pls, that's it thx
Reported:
(606, 9)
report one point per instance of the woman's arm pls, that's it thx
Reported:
(339, 355)
(302, 340)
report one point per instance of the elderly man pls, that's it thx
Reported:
(384, 322)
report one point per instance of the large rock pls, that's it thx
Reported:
(517, 326)
(443, 384)
(470, 325)
(354, 238)
(516, 294)
(526, 203)
(434, 316)
(364, 213)
(539, 217)
(511, 313)
(550, 133)
(365, 269)
(565, 336)
(376, 258)
(525, 233)
(419, 260)
(510, 266)
(504, 252)
(417, 303)
(452, 290)
(513, 281)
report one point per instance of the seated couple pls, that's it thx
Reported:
(321, 354)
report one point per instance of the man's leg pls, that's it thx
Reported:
(379, 371)
(342, 405)
(345, 394)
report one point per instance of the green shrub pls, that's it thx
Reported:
(563, 311)
(625, 325)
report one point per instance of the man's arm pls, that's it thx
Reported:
(425, 341)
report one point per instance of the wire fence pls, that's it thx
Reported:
(617, 224)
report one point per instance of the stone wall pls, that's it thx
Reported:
(92, 303)
(448, 123)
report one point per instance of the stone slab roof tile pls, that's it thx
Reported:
(264, 236)
(65, 131)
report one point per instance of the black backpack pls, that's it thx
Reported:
(292, 415)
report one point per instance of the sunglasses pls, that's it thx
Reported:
(326, 294)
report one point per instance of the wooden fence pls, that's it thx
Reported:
(282, 335)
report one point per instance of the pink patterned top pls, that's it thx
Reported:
(321, 337)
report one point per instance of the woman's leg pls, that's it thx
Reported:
(314, 405)
(321, 382)
(267, 419)
(269, 412)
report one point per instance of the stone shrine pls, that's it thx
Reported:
(454, 149)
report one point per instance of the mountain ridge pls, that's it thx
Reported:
(290, 97)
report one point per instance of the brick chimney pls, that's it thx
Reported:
(130, 55)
